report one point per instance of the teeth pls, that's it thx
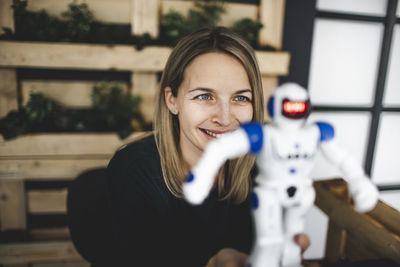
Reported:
(212, 134)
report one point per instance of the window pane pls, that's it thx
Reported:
(386, 161)
(398, 10)
(392, 198)
(316, 228)
(392, 91)
(344, 62)
(363, 7)
(351, 130)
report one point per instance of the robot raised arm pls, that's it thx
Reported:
(231, 145)
(363, 191)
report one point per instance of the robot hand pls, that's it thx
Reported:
(200, 181)
(364, 193)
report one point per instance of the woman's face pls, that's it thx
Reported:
(214, 98)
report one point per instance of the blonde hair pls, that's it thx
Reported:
(233, 180)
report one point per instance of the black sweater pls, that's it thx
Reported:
(154, 228)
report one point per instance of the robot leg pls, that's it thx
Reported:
(267, 215)
(293, 223)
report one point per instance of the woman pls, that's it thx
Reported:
(211, 84)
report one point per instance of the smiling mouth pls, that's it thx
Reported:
(212, 134)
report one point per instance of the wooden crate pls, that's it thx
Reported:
(143, 16)
(44, 157)
(54, 157)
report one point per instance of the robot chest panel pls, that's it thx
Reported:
(297, 146)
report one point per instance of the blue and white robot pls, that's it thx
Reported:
(286, 150)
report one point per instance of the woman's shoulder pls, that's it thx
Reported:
(142, 152)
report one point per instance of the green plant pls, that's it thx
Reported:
(78, 24)
(113, 110)
(248, 29)
(79, 21)
(206, 13)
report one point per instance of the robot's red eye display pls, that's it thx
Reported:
(295, 109)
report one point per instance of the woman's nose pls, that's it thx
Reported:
(223, 115)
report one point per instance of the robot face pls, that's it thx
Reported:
(289, 105)
(295, 109)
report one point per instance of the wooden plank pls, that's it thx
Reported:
(12, 206)
(37, 252)
(387, 216)
(145, 17)
(50, 234)
(272, 13)
(8, 91)
(358, 251)
(366, 230)
(6, 15)
(269, 84)
(74, 94)
(48, 169)
(335, 243)
(82, 56)
(103, 57)
(47, 201)
(145, 85)
(94, 144)
(76, 263)
(273, 63)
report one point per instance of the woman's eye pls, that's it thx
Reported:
(204, 97)
(242, 98)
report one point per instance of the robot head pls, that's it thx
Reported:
(289, 105)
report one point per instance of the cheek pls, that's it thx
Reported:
(192, 116)
(245, 114)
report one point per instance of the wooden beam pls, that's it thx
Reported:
(145, 85)
(48, 169)
(8, 91)
(50, 234)
(75, 263)
(6, 15)
(103, 57)
(387, 216)
(335, 243)
(64, 144)
(269, 84)
(272, 14)
(47, 201)
(145, 17)
(12, 205)
(362, 227)
(273, 63)
(82, 56)
(37, 252)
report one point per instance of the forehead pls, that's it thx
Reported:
(218, 69)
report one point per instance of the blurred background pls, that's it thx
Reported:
(78, 78)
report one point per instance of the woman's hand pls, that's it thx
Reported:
(229, 257)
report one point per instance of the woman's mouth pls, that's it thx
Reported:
(213, 134)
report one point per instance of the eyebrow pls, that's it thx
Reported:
(241, 91)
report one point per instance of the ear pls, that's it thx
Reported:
(171, 101)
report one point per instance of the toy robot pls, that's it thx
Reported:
(286, 150)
